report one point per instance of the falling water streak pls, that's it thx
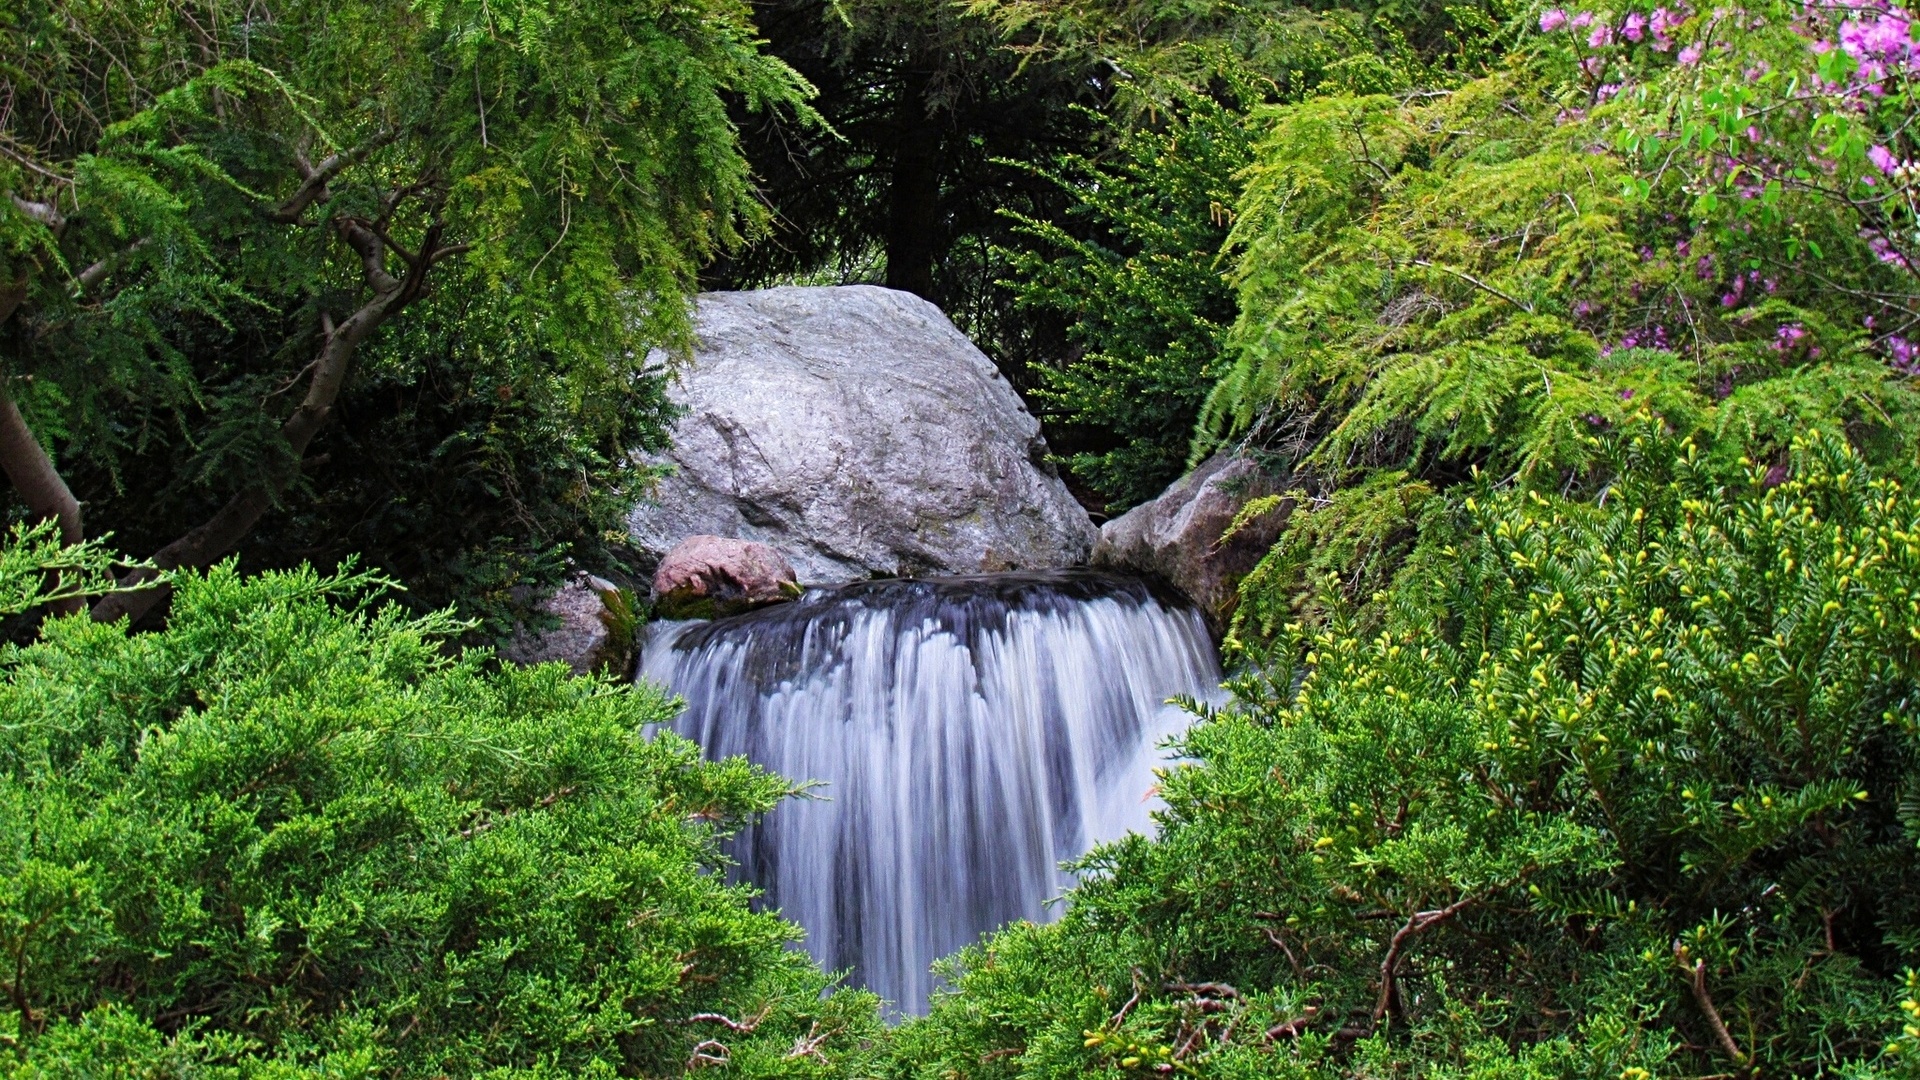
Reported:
(970, 733)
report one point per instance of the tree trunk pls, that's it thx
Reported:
(33, 475)
(913, 223)
(26, 462)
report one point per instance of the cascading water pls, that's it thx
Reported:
(970, 734)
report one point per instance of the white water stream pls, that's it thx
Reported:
(970, 734)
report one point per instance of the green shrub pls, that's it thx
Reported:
(292, 832)
(1135, 270)
(1622, 788)
(1480, 277)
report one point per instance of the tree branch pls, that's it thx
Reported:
(315, 178)
(740, 1027)
(222, 532)
(44, 213)
(1696, 973)
(96, 273)
(1389, 1001)
(1476, 282)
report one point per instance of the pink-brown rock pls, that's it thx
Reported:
(706, 577)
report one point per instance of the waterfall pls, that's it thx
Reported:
(969, 734)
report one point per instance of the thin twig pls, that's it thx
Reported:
(1696, 973)
(1476, 282)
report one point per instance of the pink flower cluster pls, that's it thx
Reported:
(1882, 158)
(1737, 288)
(1656, 30)
(1904, 354)
(1884, 250)
(1881, 42)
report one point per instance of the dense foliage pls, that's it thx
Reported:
(1133, 268)
(241, 242)
(1609, 221)
(292, 835)
(1619, 790)
(1574, 722)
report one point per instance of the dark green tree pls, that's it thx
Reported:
(930, 114)
(221, 216)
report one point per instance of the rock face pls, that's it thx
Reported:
(1176, 537)
(706, 577)
(858, 432)
(592, 633)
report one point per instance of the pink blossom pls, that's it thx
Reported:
(1883, 159)
(1601, 37)
(1582, 20)
(1904, 354)
(1593, 66)
(1552, 19)
(1690, 55)
(1635, 27)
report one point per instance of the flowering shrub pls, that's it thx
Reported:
(1789, 125)
(1703, 215)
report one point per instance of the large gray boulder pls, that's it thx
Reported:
(856, 431)
(1178, 537)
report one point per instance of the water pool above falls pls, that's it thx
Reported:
(970, 734)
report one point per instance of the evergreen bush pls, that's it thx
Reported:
(1627, 790)
(293, 833)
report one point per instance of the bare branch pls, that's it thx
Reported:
(1274, 938)
(44, 213)
(1206, 989)
(1696, 973)
(367, 244)
(1476, 282)
(93, 275)
(39, 483)
(740, 1027)
(1294, 1028)
(315, 178)
(1389, 1002)
(808, 1045)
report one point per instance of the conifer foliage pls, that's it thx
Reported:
(1627, 792)
(291, 835)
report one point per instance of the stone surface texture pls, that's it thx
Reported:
(1176, 537)
(584, 640)
(855, 430)
(707, 577)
